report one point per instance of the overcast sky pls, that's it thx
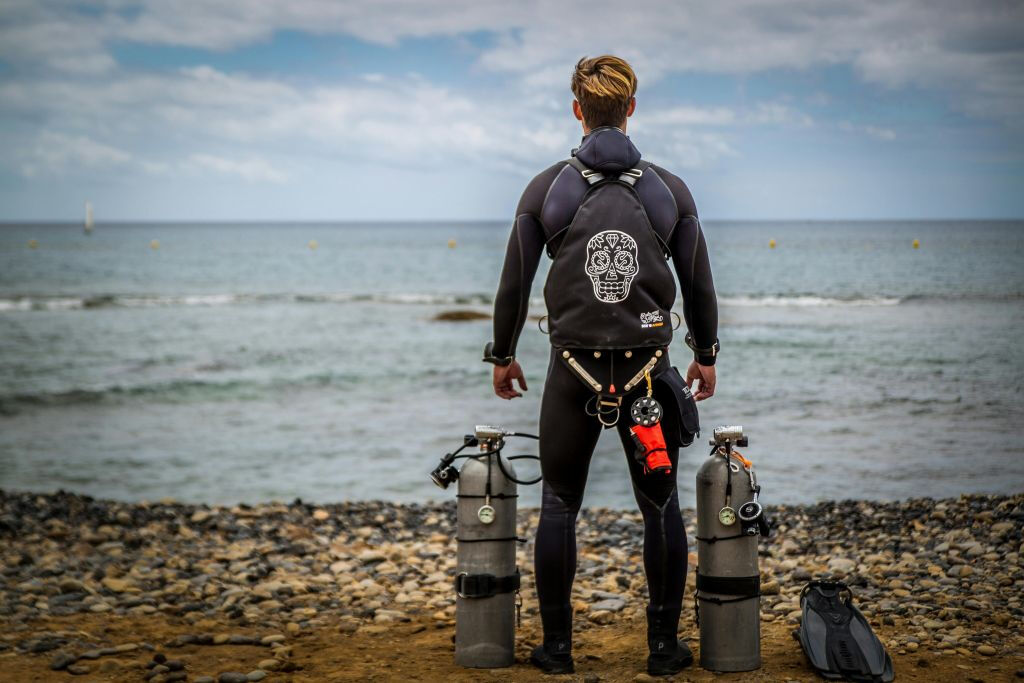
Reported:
(409, 109)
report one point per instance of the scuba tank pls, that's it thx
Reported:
(486, 577)
(729, 521)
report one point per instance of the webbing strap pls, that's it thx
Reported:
(716, 539)
(744, 586)
(496, 496)
(591, 176)
(629, 176)
(741, 587)
(485, 585)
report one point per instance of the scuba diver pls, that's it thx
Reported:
(610, 222)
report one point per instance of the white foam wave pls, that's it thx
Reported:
(56, 303)
(806, 301)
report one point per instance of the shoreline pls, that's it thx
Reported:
(361, 590)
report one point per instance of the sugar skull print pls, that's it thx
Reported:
(611, 265)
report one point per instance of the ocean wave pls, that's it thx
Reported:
(196, 389)
(170, 391)
(175, 389)
(807, 300)
(105, 301)
(102, 301)
(980, 297)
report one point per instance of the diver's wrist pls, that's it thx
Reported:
(703, 355)
(501, 361)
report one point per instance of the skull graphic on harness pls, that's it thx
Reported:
(611, 264)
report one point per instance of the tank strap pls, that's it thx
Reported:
(485, 540)
(485, 585)
(499, 496)
(716, 539)
(742, 587)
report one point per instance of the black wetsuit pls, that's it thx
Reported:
(568, 434)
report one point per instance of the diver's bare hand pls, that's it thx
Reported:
(503, 376)
(705, 376)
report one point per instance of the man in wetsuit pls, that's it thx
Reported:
(604, 88)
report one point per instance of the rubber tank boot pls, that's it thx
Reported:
(667, 654)
(554, 656)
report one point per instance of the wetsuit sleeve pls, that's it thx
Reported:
(511, 304)
(525, 245)
(693, 268)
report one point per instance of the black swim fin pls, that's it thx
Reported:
(837, 638)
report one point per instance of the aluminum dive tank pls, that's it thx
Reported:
(727, 573)
(485, 626)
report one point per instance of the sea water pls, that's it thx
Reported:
(239, 363)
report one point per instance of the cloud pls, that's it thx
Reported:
(54, 152)
(405, 122)
(252, 170)
(508, 117)
(876, 132)
(761, 113)
(972, 52)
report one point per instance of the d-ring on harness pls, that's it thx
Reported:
(607, 405)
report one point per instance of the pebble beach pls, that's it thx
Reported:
(163, 591)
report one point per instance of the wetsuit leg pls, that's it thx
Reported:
(665, 546)
(567, 440)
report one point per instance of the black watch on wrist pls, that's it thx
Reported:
(710, 351)
(489, 356)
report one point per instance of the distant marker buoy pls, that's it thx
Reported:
(916, 244)
(33, 244)
(154, 244)
(451, 244)
(313, 244)
(771, 244)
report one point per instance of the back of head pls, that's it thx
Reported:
(603, 86)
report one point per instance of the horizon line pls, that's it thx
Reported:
(6, 222)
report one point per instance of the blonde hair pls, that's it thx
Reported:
(603, 86)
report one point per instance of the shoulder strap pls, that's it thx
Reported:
(629, 176)
(591, 176)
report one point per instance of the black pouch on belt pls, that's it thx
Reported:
(681, 423)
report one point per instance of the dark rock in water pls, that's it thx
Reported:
(460, 316)
(176, 676)
(78, 669)
(232, 677)
(61, 660)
